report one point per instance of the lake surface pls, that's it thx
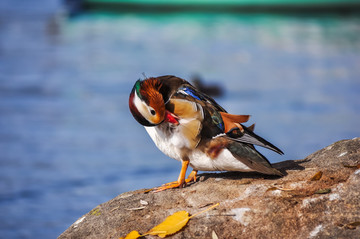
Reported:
(67, 139)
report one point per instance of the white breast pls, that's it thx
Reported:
(169, 145)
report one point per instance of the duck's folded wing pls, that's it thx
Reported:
(249, 156)
(189, 91)
(245, 135)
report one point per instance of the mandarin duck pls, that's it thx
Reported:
(189, 126)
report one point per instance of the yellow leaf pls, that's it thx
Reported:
(132, 235)
(316, 176)
(171, 224)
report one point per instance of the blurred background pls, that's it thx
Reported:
(67, 139)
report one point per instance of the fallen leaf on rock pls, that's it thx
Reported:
(350, 226)
(351, 166)
(171, 224)
(135, 208)
(282, 189)
(132, 235)
(271, 189)
(213, 235)
(316, 176)
(323, 191)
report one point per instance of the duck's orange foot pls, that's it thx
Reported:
(178, 184)
(175, 184)
(191, 177)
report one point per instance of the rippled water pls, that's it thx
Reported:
(68, 141)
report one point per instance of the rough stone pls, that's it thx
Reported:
(251, 205)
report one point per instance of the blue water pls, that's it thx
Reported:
(67, 139)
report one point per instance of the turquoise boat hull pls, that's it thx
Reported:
(228, 5)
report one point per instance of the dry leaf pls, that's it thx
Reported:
(352, 225)
(213, 235)
(174, 223)
(171, 224)
(323, 191)
(316, 176)
(351, 166)
(132, 235)
(271, 189)
(276, 188)
(135, 208)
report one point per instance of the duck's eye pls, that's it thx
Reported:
(152, 112)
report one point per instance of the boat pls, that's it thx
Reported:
(224, 5)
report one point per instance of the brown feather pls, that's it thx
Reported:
(233, 121)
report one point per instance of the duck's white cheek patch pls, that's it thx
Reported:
(141, 106)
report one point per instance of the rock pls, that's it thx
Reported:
(303, 204)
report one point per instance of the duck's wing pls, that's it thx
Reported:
(175, 87)
(190, 93)
(248, 155)
(245, 135)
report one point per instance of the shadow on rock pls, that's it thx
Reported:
(236, 176)
(281, 166)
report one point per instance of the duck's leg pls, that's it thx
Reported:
(191, 177)
(181, 180)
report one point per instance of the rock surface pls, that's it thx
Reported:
(251, 205)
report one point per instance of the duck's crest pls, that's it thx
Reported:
(149, 87)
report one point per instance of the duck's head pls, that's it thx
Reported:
(146, 103)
